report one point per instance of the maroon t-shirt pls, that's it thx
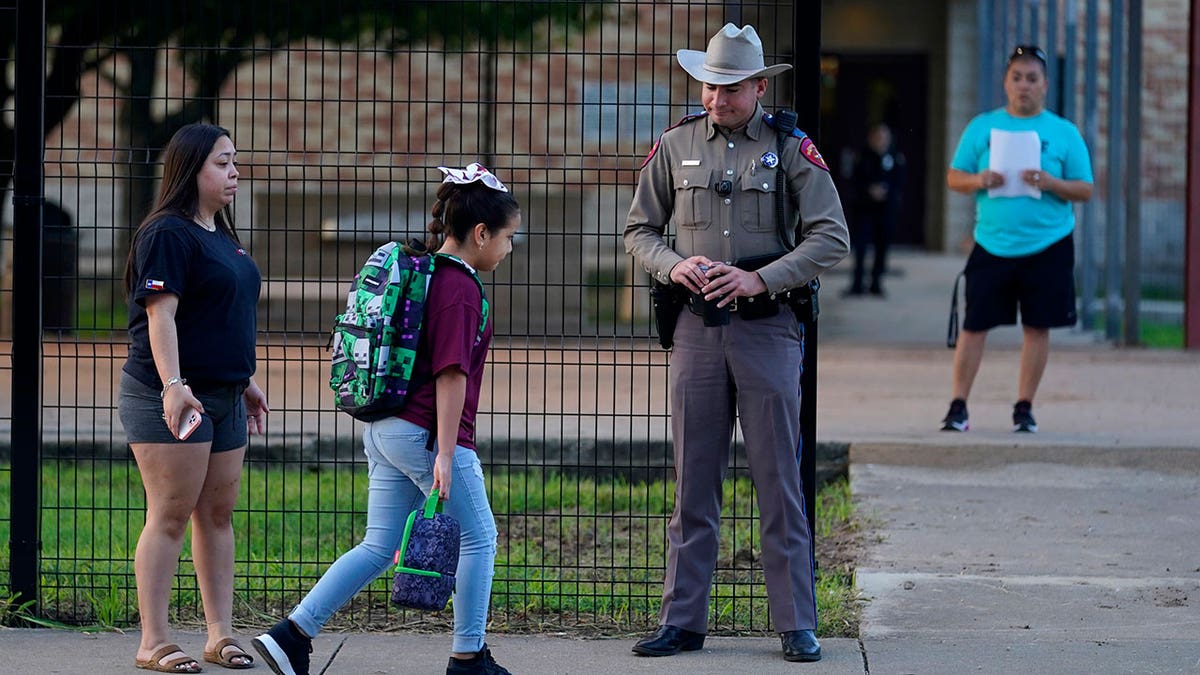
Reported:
(449, 339)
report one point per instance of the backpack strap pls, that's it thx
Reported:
(485, 308)
(952, 326)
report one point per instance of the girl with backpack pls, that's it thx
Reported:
(430, 443)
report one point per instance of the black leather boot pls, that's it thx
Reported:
(669, 640)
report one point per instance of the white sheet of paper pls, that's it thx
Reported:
(1011, 153)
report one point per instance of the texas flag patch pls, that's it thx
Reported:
(154, 285)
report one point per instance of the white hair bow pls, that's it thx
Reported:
(474, 172)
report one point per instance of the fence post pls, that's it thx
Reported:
(1191, 256)
(28, 196)
(806, 93)
(1132, 269)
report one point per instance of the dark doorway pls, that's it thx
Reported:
(861, 90)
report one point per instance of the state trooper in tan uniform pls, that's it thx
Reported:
(711, 182)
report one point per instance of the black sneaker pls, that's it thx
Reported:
(481, 664)
(1023, 418)
(284, 648)
(956, 418)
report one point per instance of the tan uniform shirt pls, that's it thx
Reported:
(676, 193)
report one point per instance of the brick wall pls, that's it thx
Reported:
(318, 119)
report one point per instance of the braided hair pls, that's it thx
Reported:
(459, 207)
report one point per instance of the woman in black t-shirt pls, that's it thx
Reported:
(187, 398)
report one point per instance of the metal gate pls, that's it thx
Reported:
(341, 113)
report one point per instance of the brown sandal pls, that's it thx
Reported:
(182, 664)
(218, 657)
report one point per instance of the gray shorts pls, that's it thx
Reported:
(223, 423)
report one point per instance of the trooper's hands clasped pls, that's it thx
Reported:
(716, 280)
(690, 272)
(727, 283)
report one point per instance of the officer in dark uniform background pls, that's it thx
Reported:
(878, 181)
(711, 182)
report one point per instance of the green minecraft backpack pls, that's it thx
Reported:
(374, 341)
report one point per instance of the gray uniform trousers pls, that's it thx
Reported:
(751, 369)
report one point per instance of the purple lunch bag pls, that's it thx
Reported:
(427, 559)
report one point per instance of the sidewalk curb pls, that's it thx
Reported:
(1170, 460)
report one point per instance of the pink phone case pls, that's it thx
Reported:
(191, 420)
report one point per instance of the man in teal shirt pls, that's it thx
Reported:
(1024, 254)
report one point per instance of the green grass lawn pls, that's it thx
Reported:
(1161, 335)
(100, 308)
(574, 554)
(1152, 334)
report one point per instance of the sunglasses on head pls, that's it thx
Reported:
(1028, 50)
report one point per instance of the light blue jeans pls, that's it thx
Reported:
(401, 476)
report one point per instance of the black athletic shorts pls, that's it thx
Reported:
(1042, 285)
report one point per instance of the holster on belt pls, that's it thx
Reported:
(802, 301)
(668, 301)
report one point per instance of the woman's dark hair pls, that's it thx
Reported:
(178, 194)
(459, 207)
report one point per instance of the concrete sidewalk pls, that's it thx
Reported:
(1045, 566)
(27, 651)
(1073, 550)
(884, 377)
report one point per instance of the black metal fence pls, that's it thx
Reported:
(341, 113)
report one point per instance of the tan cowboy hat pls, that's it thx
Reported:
(734, 54)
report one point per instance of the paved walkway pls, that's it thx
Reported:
(1070, 551)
